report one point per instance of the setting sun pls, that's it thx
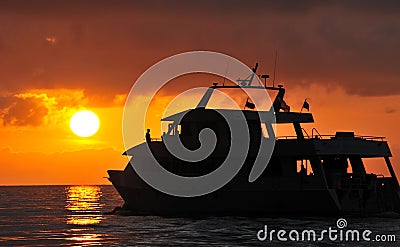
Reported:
(84, 123)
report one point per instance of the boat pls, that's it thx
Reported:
(305, 175)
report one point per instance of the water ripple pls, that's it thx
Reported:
(73, 216)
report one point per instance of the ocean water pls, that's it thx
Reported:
(74, 216)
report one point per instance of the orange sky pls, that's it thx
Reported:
(59, 57)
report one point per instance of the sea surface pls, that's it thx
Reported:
(74, 216)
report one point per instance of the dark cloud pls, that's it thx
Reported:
(102, 46)
(89, 8)
(36, 108)
(19, 111)
(43, 9)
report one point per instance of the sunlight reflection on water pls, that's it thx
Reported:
(71, 216)
(83, 205)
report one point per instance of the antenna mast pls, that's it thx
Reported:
(276, 57)
(226, 72)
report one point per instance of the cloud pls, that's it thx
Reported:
(49, 106)
(36, 108)
(120, 99)
(51, 40)
(23, 111)
(353, 44)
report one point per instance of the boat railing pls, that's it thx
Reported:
(306, 137)
(372, 138)
(285, 137)
(319, 136)
(305, 132)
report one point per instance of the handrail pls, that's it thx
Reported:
(369, 138)
(312, 133)
(308, 136)
(286, 137)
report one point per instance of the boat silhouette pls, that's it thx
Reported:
(305, 175)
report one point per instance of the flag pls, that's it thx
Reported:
(306, 105)
(249, 104)
(285, 107)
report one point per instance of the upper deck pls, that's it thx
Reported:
(333, 145)
(340, 144)
(262, 116)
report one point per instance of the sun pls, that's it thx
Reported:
(84, 123)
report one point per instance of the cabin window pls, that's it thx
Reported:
(376, 166)
(170, 128)
(305, 163)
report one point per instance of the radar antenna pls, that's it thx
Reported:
(247, 82)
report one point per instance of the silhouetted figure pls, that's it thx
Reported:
(148, 138)
(303, 171)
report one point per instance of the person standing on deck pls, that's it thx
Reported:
(148, 138)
